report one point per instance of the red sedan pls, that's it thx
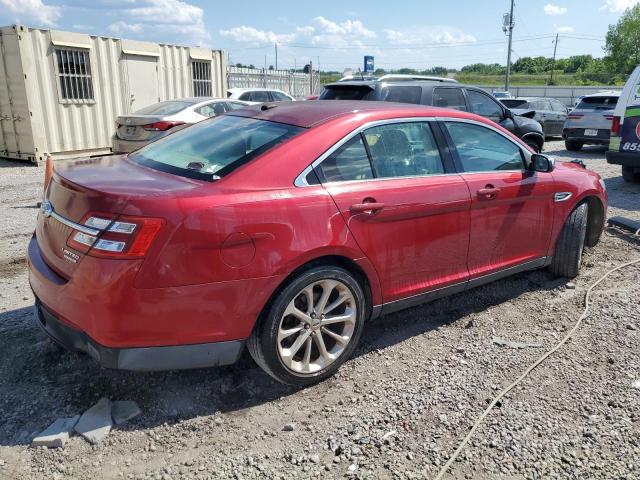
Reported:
(286, 227)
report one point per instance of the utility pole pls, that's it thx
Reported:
(276, 45)
(310, 77)
(553, 64)
(508, 26)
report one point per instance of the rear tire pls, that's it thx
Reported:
(629, 174)
(568, 254)
(298, 340)
(573, 146)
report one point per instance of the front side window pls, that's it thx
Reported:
(558, 106)
(280, 97)
(349, 162)
(201, 72)
(213, 148)
(401, 94)
(403, 149)
(481, 149)
(484, 105)
(74, 74)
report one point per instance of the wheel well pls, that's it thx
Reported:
(535, 138)
(595, 220)
(328, 261)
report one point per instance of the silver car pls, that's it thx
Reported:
(160, 119)
(590, 122)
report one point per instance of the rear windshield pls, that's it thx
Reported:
(598, 103)
(213, 148)
(164, 108)
(512, 103)
(345, 92)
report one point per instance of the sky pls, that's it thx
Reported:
(336, 34)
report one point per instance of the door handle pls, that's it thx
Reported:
(367, 207)
(489, 192)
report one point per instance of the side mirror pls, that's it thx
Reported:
(542, 163)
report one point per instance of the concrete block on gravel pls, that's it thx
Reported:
(95, 424)
(122, 411)
(57, 434)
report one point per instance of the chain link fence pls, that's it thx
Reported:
(296, 84)
(567, 95)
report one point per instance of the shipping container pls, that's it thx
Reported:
(60, 92)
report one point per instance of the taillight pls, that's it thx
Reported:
(615, 125)
(574, 116)
(124, 237)
(161, 126)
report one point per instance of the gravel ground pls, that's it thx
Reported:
(398, 409)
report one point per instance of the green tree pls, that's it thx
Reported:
(623, 42)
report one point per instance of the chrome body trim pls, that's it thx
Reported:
(48, 211)
(562, 196)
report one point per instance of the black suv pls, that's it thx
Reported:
(438, 92)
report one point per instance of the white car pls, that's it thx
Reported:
(150, 123)
(259, 95)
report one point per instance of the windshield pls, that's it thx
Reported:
(512, 103)
(345, 92)
(213, 148)
(598, 103)
(164, 108)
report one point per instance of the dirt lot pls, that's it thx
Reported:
(398, 409)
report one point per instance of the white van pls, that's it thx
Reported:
(624, 145)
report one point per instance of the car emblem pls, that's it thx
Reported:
(638, 130)
(70, 256)
(47, 209)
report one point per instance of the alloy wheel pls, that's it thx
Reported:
(317, 326)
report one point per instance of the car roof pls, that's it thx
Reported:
(603, 94)
(238, 90)
(315, 112)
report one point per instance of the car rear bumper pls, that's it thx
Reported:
(577, 135)
(136, 328)
(626, 159)
(175, 357)
(119, 145)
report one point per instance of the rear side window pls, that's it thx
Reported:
(215, 147)
(402, 94)
(245, 96)
(481, 149)
(598, 103)
(349, 162)
(449, 98)
(345, 92)
(260, 96)
(513, 103)
(404, 149)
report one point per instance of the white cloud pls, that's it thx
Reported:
(551, 9)
(348, 27)
(179, 21)
(563, 29)
(254, 36)
(33, 10)
(618, 6)
(438, 34)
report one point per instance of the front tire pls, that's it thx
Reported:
(568, 254)
(312, 326)
(629, 174)
(573, 146)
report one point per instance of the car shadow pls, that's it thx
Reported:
(7, 163)
(40, 381)
(587, 152)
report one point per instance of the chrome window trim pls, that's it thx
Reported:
(523, 151)
(301, 180)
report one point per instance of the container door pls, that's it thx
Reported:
(141, 73)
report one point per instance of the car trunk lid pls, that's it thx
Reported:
(104, 185)
(142, 127)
